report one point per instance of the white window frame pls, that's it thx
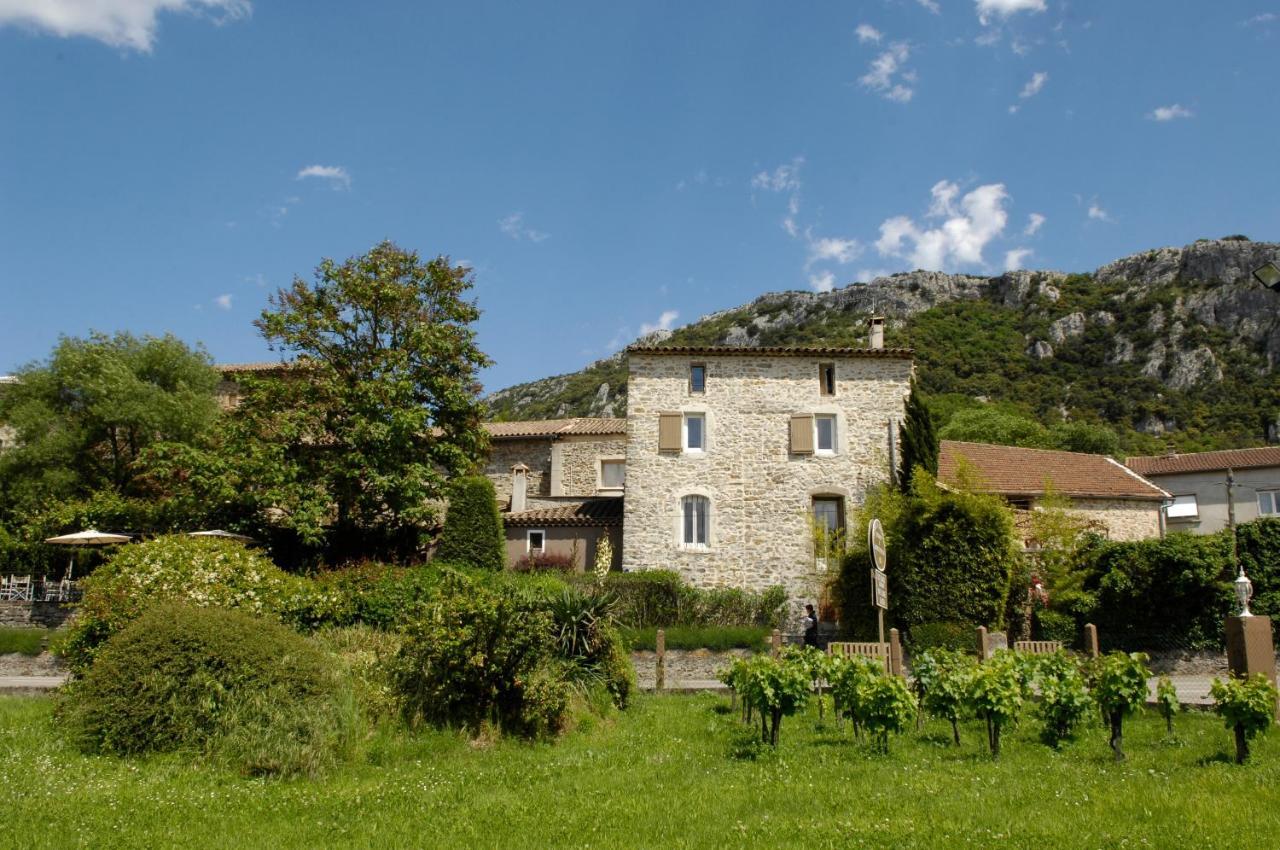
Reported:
(684, 432)
(695, 545)
(528, 542)
(835, 434)
(1274, 496)
(1178, 509)
(609, 460)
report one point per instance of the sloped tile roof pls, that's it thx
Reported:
(1013, 471)
(1205, 461)
(771, 350)
(555, 428)
(588, 512)
(265, 366)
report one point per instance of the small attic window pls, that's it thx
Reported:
(827, 378)
(697, 377)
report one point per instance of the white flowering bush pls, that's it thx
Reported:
(202, 572)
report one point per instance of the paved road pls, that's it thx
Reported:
(29, 684)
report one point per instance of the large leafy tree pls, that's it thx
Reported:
(85, 417)
(352, 446)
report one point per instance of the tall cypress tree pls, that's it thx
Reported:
(919, 440)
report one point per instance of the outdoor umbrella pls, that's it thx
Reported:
(223, 535)
(92, 537)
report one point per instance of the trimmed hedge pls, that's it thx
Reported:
(715, 638)
(952, 636)
(652, 598)
(472, 532)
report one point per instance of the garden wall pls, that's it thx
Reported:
(46, 614)
(685, 665)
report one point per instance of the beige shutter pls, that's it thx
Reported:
(802, 434)
(669, 426)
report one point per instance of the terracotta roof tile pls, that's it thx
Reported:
(1013, 471)
(588, 512)
(771, 350)
(1205, 461)
(266, 366)
(555, 428)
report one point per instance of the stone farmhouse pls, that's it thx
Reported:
(1116, 501)
(1198, 484)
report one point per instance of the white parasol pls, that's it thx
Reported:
(92, 537)
(223, 535)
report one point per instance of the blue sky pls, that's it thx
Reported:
(605, 167)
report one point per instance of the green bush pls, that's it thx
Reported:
(583, 635)
(715, 638)
(221, 682)
(201, 572)
(956, 637)
(776, 688)
(1247, 706)
(1120, 688)
(23, 641)
(1056, 625)
(479, 657)
(996, 694)
(371, 594)
(1064, 699)
(888, 708)
(662, 598)
(473, 532)
(942, 680)
(364, 655)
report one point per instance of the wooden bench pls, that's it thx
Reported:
(1038, 647)
(878, 651)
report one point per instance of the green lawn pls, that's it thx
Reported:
(670, 773)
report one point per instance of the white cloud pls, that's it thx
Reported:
(959, 240)
(827, 248)
(868, 275)
(784, 178)
(931, 5)
(129, 24)
(1033, 86)
(514, 226)
(1034, 222)
(1005, 8)
(866, 33)
(1170, 113)
(886, 75)
(1016, 259)
(336, 175)
(1264, 18)
(1097, 213)
(822, 281)
(664, 323)
(223, 301)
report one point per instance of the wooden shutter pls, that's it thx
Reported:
(669, 427)
(802, 434)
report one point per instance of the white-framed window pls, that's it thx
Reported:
(697, 378)
(1183, 507)
(613, 474)
(824, 434)
(535, 541)
(1269, 503)
(695, 432)
(695, 522)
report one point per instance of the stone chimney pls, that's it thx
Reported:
(877, 332)
(519, 488)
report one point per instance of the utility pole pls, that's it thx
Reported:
(1231, 517)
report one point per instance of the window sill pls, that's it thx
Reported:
(694, 548)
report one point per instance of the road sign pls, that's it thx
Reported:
(875, 542)
(880, 589)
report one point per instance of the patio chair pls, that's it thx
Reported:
(5, 589)
(22, 589)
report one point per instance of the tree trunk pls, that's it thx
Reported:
(764, 727)
(1242, 745)
(821, 710)
(993, 738)
(1168, 722)
(955, 731)
(773, 732)
(1117, 735)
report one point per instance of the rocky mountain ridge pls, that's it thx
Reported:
(1205, 321)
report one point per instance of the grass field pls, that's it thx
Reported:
(673, 772)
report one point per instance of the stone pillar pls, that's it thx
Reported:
(519, 488)
(895, 653)
(1250, 648)
(1091, 640)
(660, 675)
(775, 643)
(982, 643)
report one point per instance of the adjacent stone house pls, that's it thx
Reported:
(1198, 485)
(1116, 501)
(735, 455)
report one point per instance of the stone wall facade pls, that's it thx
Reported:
(1125, 519)
(534, 453)
(760, 494)
(575, 464)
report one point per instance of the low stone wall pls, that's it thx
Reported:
(48, 615)
(685, 665)
(44, 664)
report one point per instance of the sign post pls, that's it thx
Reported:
(879, 581)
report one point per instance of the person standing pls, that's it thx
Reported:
(810, 624)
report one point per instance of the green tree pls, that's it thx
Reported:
(1247, 706)
(991, 425)
(85, 416)
(473, 528)
(356, 443)
(919, 440)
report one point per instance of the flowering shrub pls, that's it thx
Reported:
(201, 572)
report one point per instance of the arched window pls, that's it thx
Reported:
(696, 511)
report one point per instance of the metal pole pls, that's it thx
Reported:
(880, 613)
(1231, 517)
